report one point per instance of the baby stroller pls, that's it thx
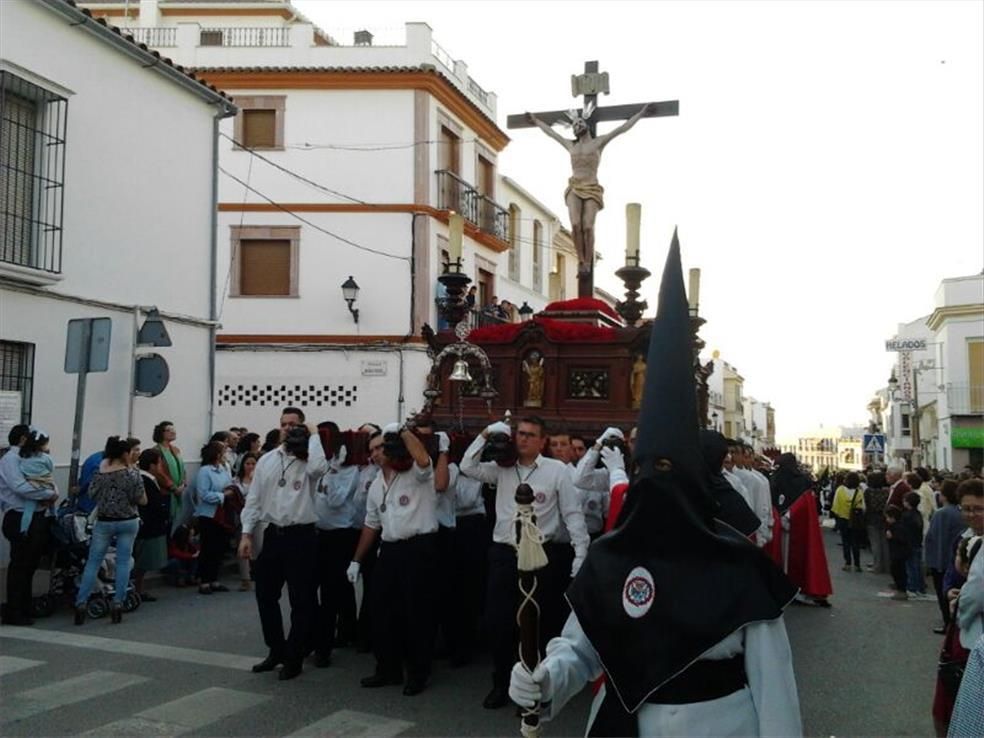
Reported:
(70, 535)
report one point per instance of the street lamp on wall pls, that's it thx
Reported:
(350, 292)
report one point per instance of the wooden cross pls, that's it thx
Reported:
(589, 85)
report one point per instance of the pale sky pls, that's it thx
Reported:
(826, 171)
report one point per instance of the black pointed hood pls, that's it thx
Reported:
(670, 581)
(668, 425)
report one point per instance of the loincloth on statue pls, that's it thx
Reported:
(586, 191)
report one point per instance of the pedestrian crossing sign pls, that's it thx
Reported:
(874, 443)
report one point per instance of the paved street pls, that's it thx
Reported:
(181, 666)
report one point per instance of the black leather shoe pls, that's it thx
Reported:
(80, 614)
(116, 613)
(414, 687)
(270, 663)
(498, 697)
(939, 631)
(322, 660)
(380, 680)
(289, 671)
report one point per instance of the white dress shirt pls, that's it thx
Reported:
(404, 507)
(367, 473)
(334, 501)
(554, 497)
(292, 501)
(468, 496)
(445, 499)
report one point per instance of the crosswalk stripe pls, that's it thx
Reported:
(351, 724)
(131, 648)
(10, 664)
(66, 692)
(182, 715)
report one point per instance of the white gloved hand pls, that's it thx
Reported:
(578, 560)
(612, 459)
(443, 442)
(526, 689)
(391, 428)
(615, 463)
(499, 427)
(336, 461)
(611, 433)
(352, 573)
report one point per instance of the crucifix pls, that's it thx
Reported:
(584, 195)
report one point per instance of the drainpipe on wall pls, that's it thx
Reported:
(225, 110)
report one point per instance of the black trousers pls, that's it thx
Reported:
(404, 625)
(335, 550)
(288, 557)
(899, 578)
(214, 544)
(26, 550)
(469, 575)
(851, 541)
(364, 628)
(502, 601)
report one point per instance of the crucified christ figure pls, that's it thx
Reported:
(584, 196)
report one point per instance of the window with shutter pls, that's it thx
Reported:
(32, 162)
(265, 267)
(260, 129)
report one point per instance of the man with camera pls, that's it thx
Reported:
(280, 505)
(592, 480)
(401, 508)
(557, 506)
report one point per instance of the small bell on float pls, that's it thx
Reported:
(460, 373)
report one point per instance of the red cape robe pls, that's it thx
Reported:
(807, 563)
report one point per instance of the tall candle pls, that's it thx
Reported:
(456, 229)
(694, 292)
(633, 214)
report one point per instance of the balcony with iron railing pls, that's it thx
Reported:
(454, 193)
(245, 37)
(963, 398)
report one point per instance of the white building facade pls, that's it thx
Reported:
(91, 190)
(346, 160)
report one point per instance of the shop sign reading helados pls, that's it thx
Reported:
(905, 344)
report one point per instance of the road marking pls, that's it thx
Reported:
(132, 648)
(10, 664)
(67, 692)
(350, 724)
(182, 715)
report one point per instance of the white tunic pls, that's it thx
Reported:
(768, 706)
(761, 502)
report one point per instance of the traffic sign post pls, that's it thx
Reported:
(86, 350)
(873, 449)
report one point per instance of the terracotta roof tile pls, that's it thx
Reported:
(148, 50)
(426, 68)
